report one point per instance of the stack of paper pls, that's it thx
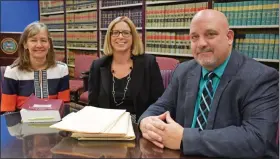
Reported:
(92, 123)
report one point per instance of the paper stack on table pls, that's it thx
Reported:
(92, 123)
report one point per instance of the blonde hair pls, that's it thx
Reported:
(137, 45)
(23, 60)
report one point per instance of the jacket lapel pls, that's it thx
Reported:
(105, 75)
(230, 71)
(137, 75)
(191, 95)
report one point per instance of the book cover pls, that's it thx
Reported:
(41, 110)
(271, 46)
(276, 48)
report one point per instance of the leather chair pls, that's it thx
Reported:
(82, 64)
(167, 63)
(166, 66)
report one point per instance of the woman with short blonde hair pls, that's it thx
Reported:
(125, 78)
(137, 45)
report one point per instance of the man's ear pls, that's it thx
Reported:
(230, 36)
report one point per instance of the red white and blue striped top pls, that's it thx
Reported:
(19, 85)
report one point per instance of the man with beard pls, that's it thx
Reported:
(221, 104)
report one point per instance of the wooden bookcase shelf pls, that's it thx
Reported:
(154, 19)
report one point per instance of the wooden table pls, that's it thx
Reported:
(20, 140)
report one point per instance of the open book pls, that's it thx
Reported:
(92, 123)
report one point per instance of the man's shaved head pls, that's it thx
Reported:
(211, 38)
(212, 15)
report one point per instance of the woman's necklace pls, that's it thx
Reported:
(125, 88)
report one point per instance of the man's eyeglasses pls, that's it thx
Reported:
(116, 33)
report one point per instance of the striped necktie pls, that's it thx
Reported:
(205, 102)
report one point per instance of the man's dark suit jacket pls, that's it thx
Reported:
(243, 118)
(146, 83)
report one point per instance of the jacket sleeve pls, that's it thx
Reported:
(93, 86)
(259, 111)
(156, 84)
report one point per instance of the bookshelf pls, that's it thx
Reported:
(73, 26)
(121, 6)
(82, 48)
(256, 27)
(52, 14)
(258, 38)
(81, 30)
(156, 2)
(168, 54)
(267, 60)
(81, 10)
(167, 26)
(163, 25)
(109, 10)
(59, 47)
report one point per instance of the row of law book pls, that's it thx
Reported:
(263, 46)
(58, 43)
(59, 54)
(178, 15)
(47, 6)
(82, 39)
(92, 123)
(59, 36)
(82, 36)
(78, 20)
(107, 3)
(53, 21)
(168, 42)
(82, 44)
(135, 14)
(256, 12)
(71, 70)
(78, 4)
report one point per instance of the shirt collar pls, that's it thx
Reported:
(219, 70)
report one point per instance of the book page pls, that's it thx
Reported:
(119, 129)
(42, 106)
(90, 120)
(129, 136)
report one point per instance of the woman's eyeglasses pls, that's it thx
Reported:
(116, 33)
